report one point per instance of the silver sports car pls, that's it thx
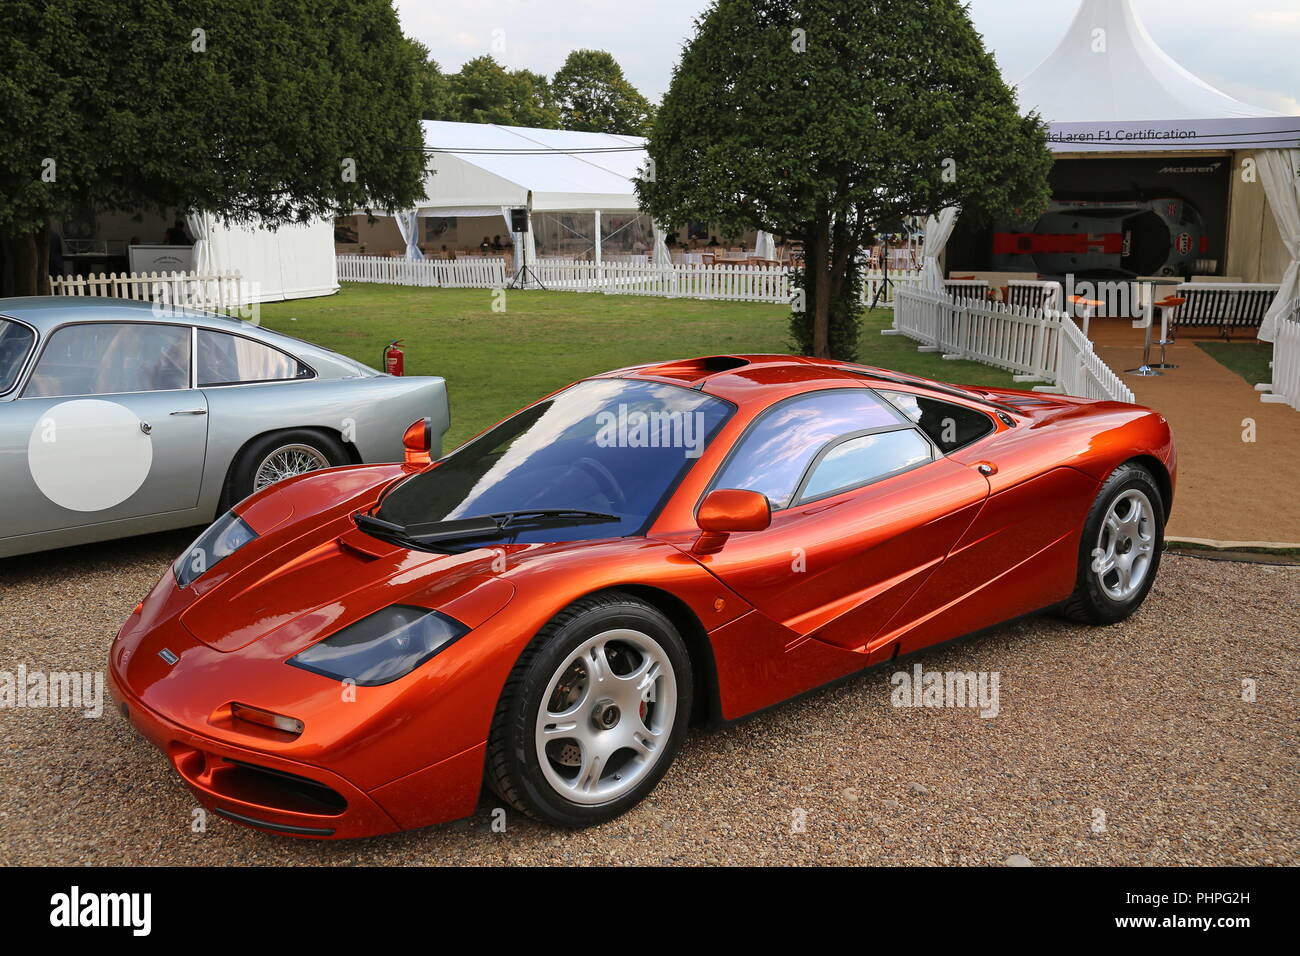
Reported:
(118, 418)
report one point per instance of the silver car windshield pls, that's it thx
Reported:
(15, 343)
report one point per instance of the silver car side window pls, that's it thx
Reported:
(105, 358)
(226, 359)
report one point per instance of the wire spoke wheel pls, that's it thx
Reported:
(287, 461)
(1125, 545)
(606, 716)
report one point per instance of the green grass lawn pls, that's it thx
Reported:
(1248, 359)
(495, 362)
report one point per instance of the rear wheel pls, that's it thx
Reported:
(592, 714)
(1120, 553)
(281, 455)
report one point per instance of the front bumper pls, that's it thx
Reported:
(283, 796)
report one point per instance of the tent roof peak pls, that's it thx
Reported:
(1107, 67)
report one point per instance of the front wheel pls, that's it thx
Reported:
(592, 714)
(1122, 540)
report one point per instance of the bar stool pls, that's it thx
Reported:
(1087, 305)
(1145, 368)
(1166, 306)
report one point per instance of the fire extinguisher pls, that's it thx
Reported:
(395, 358)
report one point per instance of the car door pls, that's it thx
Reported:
(106, 427)
(864, 509)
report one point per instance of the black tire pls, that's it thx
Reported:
(1093, 601)
(513, 765)
(243, 473)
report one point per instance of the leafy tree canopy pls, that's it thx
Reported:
(595, 97)
(485, 92)
(271, 110)
(821, 119)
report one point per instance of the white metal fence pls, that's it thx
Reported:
(622, 276)
(1285, 386)
(219, 292)
(1035, 344)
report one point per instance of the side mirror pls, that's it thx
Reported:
(728, 510)
(418, 442)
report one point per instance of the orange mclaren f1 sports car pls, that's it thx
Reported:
(356, 651)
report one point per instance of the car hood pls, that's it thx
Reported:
(311, 572)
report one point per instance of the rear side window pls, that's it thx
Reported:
(226, 359)
(15, 342)
(104, 358)
(775, 453)
(949, 426)
(860, 460)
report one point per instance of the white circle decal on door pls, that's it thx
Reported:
(89, 455)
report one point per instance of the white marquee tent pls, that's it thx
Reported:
(481, 169)
(292, 262)
(1109, 88)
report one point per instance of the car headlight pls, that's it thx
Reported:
(382, 647)
(227, 535)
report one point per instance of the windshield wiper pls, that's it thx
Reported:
(506, 518)
(468, 529)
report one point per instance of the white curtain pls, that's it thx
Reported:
(200, 226)
(408, 224)
(523, 241)
(765, 246)
(662, 257)
(938, 229)
(1280, 174)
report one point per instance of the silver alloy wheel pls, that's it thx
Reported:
(287, 461)
(606, 716)
(1125, 545)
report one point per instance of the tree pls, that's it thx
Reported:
(821, 120)
(437, 102)
(595, 97)
(254, 110)
(486, 93)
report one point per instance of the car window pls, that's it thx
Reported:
(858, 461)
(226, 359)
(103, 358)
(949, 426)
(774, 454)
(617, 446)
(15, 342)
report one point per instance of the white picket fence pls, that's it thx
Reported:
(465, 273)
(220, 292)
(1035, 344)
(1285, 386)
(620, 276)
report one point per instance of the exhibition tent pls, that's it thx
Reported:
(484, 169)
(1108, 88)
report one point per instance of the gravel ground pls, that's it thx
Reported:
(1138, 731)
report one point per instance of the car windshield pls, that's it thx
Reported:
(612, 446)
(15, 342)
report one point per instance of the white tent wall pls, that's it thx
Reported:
(1279, 171)
(293, 262)
(1256, 252)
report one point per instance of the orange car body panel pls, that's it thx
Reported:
(828, 589)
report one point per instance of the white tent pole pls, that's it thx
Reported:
(599, 278)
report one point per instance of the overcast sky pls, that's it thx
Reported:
(1250, 49)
